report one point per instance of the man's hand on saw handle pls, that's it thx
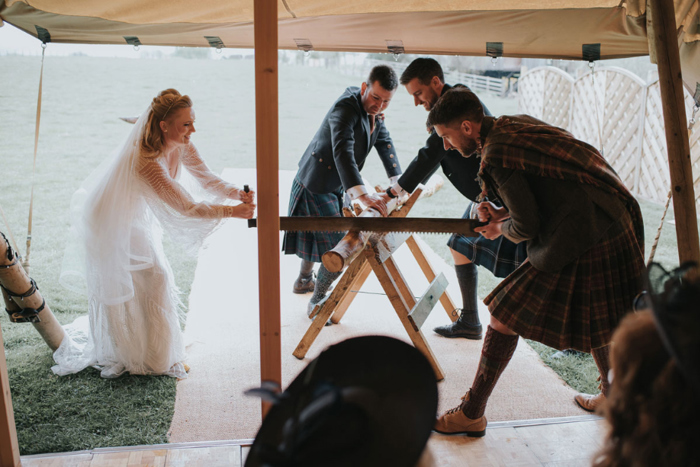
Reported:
(489, 212)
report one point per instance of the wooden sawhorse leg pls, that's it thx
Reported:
(411, 313)
(356, 284)
(429, 273)
(355, 275)
(403, 301)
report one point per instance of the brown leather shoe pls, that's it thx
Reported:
(590, 402)
(454, 422)
(304, 284)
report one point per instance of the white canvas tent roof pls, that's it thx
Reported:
(514, 28)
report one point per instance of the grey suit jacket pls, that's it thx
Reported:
(341, 145)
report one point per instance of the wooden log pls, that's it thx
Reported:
(345, 251)
(434, 185)
(267, 164)
(677, 143)
(353, 243)
(15, 279)
(357, 209)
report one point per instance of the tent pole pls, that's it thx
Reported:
(267, 161)
(9, 447)
(671, 83)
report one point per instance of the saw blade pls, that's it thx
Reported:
(378, 224)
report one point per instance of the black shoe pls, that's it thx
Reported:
(467, 326)
(304, 284)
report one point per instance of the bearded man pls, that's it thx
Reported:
(585, 243)
(425, 82)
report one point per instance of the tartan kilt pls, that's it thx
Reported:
(302, 203)
(580, 306)
(500, 256)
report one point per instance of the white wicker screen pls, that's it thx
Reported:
(531, 92)
(617, 108)
(653, 180)
(694, 135)
(588, 109)
(558, 87)
(623, 104)
(654, 177)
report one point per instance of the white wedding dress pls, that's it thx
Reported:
(116, 258)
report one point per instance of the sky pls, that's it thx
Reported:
(15, 41)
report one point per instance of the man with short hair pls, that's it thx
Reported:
(424, 80)
(330, 169)
(585, 244)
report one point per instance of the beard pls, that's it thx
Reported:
(431, 101)
(467, 147)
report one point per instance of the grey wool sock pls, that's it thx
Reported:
(307, 267)
(324, 280)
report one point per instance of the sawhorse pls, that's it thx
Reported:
(377, 257)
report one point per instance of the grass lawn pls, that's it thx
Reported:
(83, 96)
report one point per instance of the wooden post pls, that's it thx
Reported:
(267, 161)
(671, 83)
(9, 448)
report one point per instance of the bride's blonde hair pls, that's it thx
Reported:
(164, 105)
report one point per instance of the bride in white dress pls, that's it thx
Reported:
(155, 182)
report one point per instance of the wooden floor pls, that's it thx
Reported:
(569, 441)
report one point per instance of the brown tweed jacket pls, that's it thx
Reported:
(560, 206)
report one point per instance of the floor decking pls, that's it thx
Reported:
(567, 441)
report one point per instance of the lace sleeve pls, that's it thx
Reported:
(194, 163)
(175, 196)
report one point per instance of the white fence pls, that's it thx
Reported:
(361, 69)
(479, 83)
(618, 113)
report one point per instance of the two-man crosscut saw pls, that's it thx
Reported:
(377, 224)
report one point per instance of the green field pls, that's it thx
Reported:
(82, 100)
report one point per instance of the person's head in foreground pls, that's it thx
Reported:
(367, 401)
(379, 88)
(457, 118)
(653, 408)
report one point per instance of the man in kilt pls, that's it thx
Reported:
(585, 243)
(425, 81)
(330, 169)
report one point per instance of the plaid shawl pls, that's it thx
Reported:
(548, 151)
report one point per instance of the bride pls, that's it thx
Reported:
(156, 182)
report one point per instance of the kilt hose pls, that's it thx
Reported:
(310, 246)
(500, 256)
(580, 306)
